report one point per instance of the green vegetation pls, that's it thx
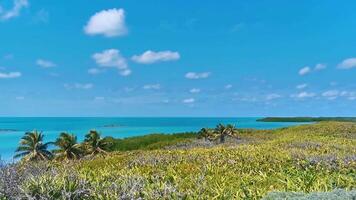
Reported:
(306, 160)
(150, 142)
(307, 119)
(221, 131)
(68, 147)
(94, 144)
(32, 147)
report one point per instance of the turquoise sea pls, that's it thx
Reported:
(13, 128)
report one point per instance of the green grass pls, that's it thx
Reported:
(311, 158)
(307, 119)
(150, 142)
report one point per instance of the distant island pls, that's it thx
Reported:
(307, 119)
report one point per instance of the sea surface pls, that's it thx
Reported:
(13, 128)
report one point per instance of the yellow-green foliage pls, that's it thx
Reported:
(307, 158)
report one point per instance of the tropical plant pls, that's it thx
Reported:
(207, 134)
(33, 148)
(222, 131)
(95, 144)
(68, 148)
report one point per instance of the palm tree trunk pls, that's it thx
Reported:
(222, 138)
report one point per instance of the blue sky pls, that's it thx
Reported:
(173, 58)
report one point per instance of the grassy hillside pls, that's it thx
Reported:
(309, 158)
(307, 119)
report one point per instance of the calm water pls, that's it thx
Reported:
(12, 129)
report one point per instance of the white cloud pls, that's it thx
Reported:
(109, 23)
(45, 63)
(304, 71)
(150, 57)
(331, 94)
(319, 67)
(194, 75)
(272, 96)
(190, 100)
(82, 86)
(348, 63)
(302, 86)
(228, 86)
(194, 90)
(152, 87)
(307, 69)
(112, 58)
(14, 11)
(125, 72)
(10, 75)
(303, 95)
(94, 71)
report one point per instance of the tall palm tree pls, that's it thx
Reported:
(33, 148)
(68, 148)
(95, 144)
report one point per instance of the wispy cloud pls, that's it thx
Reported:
(189, 100)
(302, 86)
(194, 75)
(194, 90)
(319, 67)
(273, 96)
(150, 57)
(112, 58)
(10, 75)
(228, 86)
(306, 70)
(348, 63)
(331, 94)
(109, 23)
(94, 71)
(303, 95)
(45, 63)
(14, 11)
(152, 87)
(81, 86)
(42, 16)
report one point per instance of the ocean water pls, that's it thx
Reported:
(12, 129)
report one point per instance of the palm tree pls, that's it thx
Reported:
(95, 144)
(32, 147)
(223, 131)
(68, 148)
(208, 134)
